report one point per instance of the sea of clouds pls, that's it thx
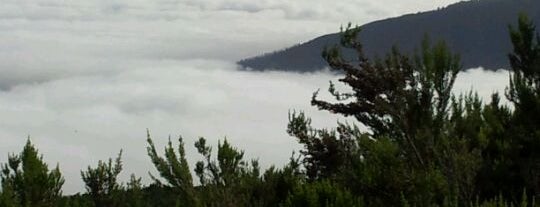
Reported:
(85, 79)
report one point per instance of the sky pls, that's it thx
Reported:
(85, 79)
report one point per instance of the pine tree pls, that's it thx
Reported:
(174, 169)
(524, 93)
(102, 182)
(229, 180)
(134, 192)
(27, 180)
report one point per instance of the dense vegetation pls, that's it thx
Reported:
(425, 146)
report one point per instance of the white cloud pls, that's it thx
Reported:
(78, 120)
(42, 40)
(484, 82)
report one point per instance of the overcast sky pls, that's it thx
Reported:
(85, 79)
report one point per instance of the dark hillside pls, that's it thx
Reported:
(477, 30)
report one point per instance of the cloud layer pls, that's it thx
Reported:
(86, 78)
(79, 120)
(47, 39)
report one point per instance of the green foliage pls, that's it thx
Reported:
(321, 194)
(524, 93)
(8, 198)
(27, 180)
(174, 169)
(405, 102)
(277, 184)
(431, 145)
(76, 200)
(223, 172)
(134, 191)
(325, 151)
(229, 180)
(102, 182)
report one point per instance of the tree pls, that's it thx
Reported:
(8, 198)
(27, 180)
(277, 184)
(102, 182)
(405, 101)
(325, 151)
(134, 192)
(229, 180)
(321, 194)
(396, 96)
(174, 169)
(524, 93)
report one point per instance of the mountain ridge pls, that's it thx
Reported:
(477, 30)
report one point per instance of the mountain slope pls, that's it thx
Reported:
(477, 30)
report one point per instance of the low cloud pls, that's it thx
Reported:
(483, 82)
(79, 120)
